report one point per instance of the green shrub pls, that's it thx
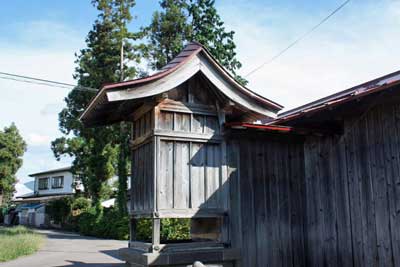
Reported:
(87, 221)
(144, 229)
(58, 210)
(81, 204)
(171, 229)
(109, 223)
(106, 223)
(175, 229)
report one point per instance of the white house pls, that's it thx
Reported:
(56, 182)
(48, 185)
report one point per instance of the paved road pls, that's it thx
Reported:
(69, 249)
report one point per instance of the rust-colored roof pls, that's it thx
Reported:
(279, 129)
(187, 53)
(272, 128)
(190, 50)
(334, 100)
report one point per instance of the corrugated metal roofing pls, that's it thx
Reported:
(374, 86)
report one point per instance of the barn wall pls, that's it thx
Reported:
(353, 192)
(332, 201)
(267, 200)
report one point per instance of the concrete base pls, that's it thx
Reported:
(209, 257)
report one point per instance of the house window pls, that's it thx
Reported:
(43, 183)
(57, 182)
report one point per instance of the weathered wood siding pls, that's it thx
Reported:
(142, 168)
(332, 201)
(142, 181)
(178, 162)
(189, 157)
(353, 192)
(267, 200)
(190, 176)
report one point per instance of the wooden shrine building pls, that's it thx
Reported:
(315, 186)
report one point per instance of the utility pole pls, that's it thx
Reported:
(124, 143)
(122, 61)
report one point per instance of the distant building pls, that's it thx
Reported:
(48, 185)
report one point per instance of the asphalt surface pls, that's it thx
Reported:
(70, 249)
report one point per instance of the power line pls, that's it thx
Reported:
(298, 39)
(33, 80)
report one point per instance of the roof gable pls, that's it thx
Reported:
(192, 60)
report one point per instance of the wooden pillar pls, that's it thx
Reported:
(156, 234)
(132, 229)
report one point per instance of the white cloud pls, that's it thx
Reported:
(45, 50)
(35, 139)
(358, 44)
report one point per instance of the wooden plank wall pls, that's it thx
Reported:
(142, 181)
(191, 176)
(267, 200)
(353, 192)
(187, 122)
(334, 201)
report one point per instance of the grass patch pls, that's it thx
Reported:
(18, 241)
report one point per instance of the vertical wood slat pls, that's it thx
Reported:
(233, 156)
(247, 206)
(268, 188)
(367, 198)
(391, 160)
(259, 202)
(328, 203)
(212, 175)
(142, 178)
(268, 201)
(395, 206)
(198, 123)
(313, 245)
(166, 120)
(165, 177)
(181, 175)
(382, 204)
(298, 195)
(197, 165)
(182, 122)
(202, 170)
(149, 178)
(345, 250)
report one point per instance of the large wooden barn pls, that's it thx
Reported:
(315, 186)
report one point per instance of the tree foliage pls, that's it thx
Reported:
(12, 148)
(95, 150)
(167, 32)
(181, 21)
(208, 29)
(59, 209)
(101, 152)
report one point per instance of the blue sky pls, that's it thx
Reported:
(39, 38)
